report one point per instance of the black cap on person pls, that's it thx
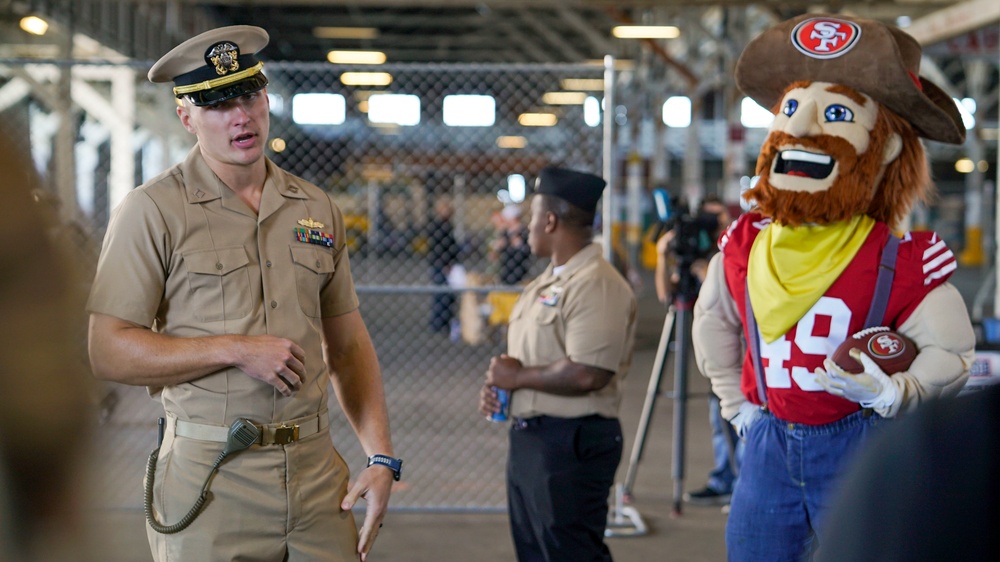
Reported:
(580, 189)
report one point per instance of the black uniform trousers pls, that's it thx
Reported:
(559, 474)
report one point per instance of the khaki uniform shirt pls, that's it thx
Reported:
(585, 313)
(185, 256)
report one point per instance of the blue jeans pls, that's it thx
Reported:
(724, 442)
(788, 479)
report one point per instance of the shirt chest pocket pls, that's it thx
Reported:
(313, 268)
(546, 324)
(219, 281)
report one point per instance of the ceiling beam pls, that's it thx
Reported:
(600, 43)
(544, 30)
(954, 20)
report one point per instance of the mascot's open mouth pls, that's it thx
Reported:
(804, 164)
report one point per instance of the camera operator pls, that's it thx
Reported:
(684, 246)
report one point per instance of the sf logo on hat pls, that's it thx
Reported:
(825, 38)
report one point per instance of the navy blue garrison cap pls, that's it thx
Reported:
(580, 189)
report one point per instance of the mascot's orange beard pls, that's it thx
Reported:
(850, 194)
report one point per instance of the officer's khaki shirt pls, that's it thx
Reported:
(586, 313)
(185, 256)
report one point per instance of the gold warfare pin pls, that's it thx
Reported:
(309, 223)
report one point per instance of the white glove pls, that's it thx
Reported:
(745, 417)
(870, 388)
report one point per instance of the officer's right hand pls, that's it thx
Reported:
(276, 361)
(488, 402)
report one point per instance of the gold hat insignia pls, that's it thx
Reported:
(225, 58)
(309, 223)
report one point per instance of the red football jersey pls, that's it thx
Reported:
(924, 262)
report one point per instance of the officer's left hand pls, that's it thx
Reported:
(870, 388)
(374, 485)
(503, 372)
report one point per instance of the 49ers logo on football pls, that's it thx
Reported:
(886, 346)
(825, 38)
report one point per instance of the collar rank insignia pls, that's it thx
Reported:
(550, 295)
(309, 223)
(224, 57)
(313, 236)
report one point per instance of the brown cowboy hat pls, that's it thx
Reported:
(876, 59)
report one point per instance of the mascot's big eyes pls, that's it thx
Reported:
(790, 107)
(837, 112)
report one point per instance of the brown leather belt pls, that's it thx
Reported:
(279, 433)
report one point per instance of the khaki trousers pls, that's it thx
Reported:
(268, 504)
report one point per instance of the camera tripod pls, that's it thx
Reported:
(625, 520)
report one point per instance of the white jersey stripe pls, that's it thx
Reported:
(941, 272)
(934, 263)
(934, 249)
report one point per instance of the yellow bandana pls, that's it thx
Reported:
(791, 267)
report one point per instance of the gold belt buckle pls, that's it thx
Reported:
(285, 434)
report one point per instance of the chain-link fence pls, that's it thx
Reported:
(435, 228)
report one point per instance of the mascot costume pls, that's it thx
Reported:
(838, 173)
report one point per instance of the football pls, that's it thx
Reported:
(892, 352)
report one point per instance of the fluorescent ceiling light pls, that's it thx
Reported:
(966, 107)
(511, 141)
(583, 84)
(366, 78)
(394, 109)
(564, 98)
(677, 112)
(345, 32)
(592, 112)
(516, 187)
(537, 119)
(753, 116)
(464, 110)
(34, 25)
(646, 32)
(319, 109)
(356, 57)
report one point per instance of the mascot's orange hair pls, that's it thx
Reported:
(887, 198)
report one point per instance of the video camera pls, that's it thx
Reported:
(694, 235)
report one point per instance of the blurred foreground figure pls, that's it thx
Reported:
(45, 415)
(925, 490)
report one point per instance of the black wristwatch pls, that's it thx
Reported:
(395, 465)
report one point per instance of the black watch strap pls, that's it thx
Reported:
(395, 465)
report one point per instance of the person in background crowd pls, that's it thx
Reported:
(511, 247)
(442, 253)
(726, 446)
